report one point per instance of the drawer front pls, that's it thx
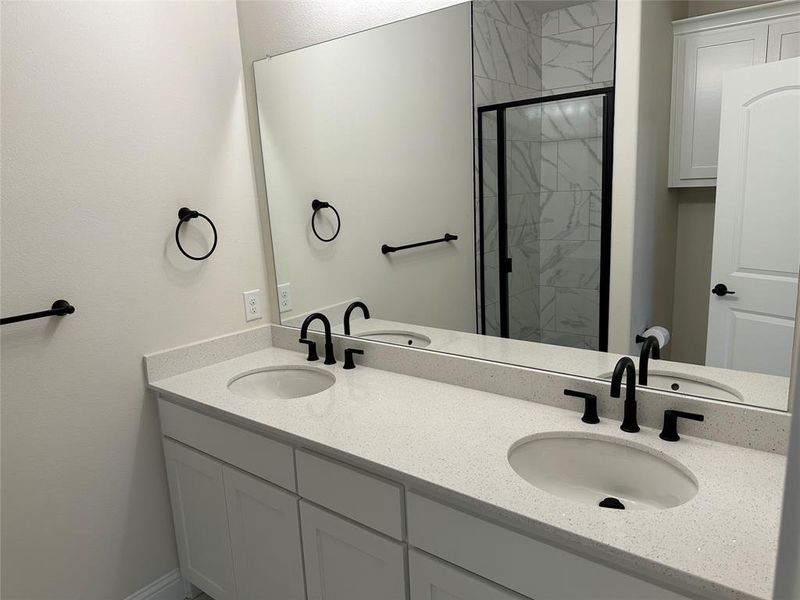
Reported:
(430, 578)
(249, 451)
(516, 561)
(370, 500)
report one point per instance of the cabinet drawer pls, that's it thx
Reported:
(375, 502)
(516, 561)
(249, 451)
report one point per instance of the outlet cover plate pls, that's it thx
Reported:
(285, 297)
(252, 305)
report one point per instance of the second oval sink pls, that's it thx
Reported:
(285, 382)
(403, 338)
(592, 469)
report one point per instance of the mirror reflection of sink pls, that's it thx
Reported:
(592, 469)
(687, 384)
(396, 336)
(273, 383)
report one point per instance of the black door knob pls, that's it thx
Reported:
(721, 290)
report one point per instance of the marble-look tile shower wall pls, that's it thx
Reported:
(553, 163)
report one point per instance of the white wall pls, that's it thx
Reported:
(378, 124)
(644, 210)
(269, 27)
(114, 115)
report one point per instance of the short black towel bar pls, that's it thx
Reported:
(59, 309)
(448, 237)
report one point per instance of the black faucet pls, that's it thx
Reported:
(625, 365)
(649, 347)
(353, 306)
(330, 359)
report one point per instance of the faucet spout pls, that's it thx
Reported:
(626, 367)
(330, 359)
(350, 309)
(650, 348)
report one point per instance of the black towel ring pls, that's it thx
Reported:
(319, 205)
(185, 215)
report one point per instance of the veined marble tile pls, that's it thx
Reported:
(571, 119)
(521, 14)
(525, 273)
(521, 165)
(603, 66)
(492, 317)
(567, 59)
(548, 171)
(523, 314)
(491, 280)
(570, 340)
(586, 15)
(574, 88)
(550, 23)
(508, 47)
(595, 216)
(489, 223)
(570, 264)
(547, 308)
(483, 60)
(577, 311)
(489, 162)
(534, 61)
(491, 91)
(489, 125)
(524, 123)
(523, 210)
(564, 216)
(580, 165)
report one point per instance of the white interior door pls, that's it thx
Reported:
(757, 220)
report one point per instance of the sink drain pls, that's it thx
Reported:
(611, 502)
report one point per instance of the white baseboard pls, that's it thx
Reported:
(166, 587)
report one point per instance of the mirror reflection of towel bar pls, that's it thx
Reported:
(448, 237)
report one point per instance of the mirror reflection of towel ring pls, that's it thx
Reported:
(317, 205)
(185, 215)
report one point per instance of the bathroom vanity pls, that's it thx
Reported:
(374, 484)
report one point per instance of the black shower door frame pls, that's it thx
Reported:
(607, 93)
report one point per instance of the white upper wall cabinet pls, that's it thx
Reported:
(704, 49)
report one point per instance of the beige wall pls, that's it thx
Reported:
(644, 214)
(114, 115)
(706, 7)
(269, 27)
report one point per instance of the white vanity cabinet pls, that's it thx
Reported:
(345, 561)
(704, 49)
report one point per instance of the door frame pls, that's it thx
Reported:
(607, 94)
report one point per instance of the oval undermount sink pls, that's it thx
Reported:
(273, 383)
(404, 338)
(594, 469)
(686, 384)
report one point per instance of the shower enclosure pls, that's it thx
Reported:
(544, 217)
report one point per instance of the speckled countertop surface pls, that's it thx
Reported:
(455, 441)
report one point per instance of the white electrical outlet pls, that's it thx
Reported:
(252, 305)
(285, 297)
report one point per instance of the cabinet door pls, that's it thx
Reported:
(347, 562)
(432, 579)
(783, 40)
(197, 493)
(701, 60)
(265, 538)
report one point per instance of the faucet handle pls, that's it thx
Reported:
(669, 432)
(589, 408)
(348, 357)
(312, 349)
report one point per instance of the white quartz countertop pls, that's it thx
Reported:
(455, 441)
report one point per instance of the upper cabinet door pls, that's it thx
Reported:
(265, 536)
(347, 562)
(197, 493)
(784, 40)
(699, 62)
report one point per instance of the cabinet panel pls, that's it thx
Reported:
(783, 40)
(347, 562)
(197, 494)
(432, 579)
(516, 561)
(265, 538)
(363, 497)
(703, 58)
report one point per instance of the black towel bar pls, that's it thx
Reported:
(59, 309)
(448, 237)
